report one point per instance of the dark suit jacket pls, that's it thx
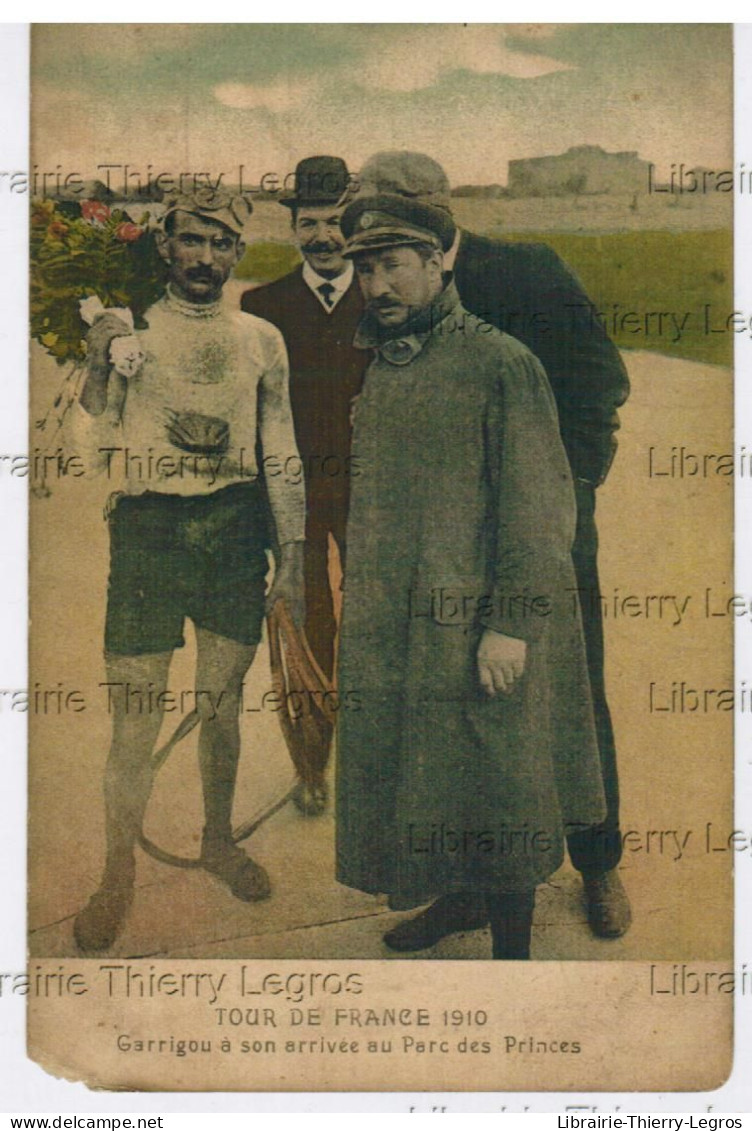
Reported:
(326, 372)
(526, 290)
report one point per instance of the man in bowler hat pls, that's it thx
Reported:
(317, 308)
(526, 290)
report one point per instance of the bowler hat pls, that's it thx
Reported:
(318, 180)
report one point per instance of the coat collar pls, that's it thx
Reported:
(400, 344)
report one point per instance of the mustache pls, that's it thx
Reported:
(203, 274)
(384, 304)
(315, 248)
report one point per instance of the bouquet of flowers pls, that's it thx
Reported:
(86, 258)
(100, 252)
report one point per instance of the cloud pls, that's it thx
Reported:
(279, 96)
(422, 56)
(406, 60)
(266, 95)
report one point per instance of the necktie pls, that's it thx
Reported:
(326, 290)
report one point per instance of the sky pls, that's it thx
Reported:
(213, 96)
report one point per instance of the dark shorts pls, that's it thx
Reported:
(177, 556)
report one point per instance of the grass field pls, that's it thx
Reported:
(638, 274)
(646, 273)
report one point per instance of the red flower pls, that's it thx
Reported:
(94, 211)
(128, 232)
(57, 228)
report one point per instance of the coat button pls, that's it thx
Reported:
(399, 351)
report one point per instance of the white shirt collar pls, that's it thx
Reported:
(340, 283)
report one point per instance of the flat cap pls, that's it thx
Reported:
(389, 220)
(407, 174)
(231, 209)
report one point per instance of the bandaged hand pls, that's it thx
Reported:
(99, 340)
(126, 355)
(106, 329)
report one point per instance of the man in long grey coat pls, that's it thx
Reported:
(475, 745)
(526, 290)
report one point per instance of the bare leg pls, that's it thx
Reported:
(221, 667)
(135, 683)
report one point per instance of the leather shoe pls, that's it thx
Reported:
(608, 910)
(99, 923)
(311, 800)
(246, 879)
(447, 916)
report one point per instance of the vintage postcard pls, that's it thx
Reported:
(381, 471)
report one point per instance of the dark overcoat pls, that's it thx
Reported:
(462, 518)
(526, 290)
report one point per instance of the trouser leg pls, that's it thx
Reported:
(320, 622)
(598, 848)
(510, 915)
(321, 633)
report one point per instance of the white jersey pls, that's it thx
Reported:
(214, 383)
